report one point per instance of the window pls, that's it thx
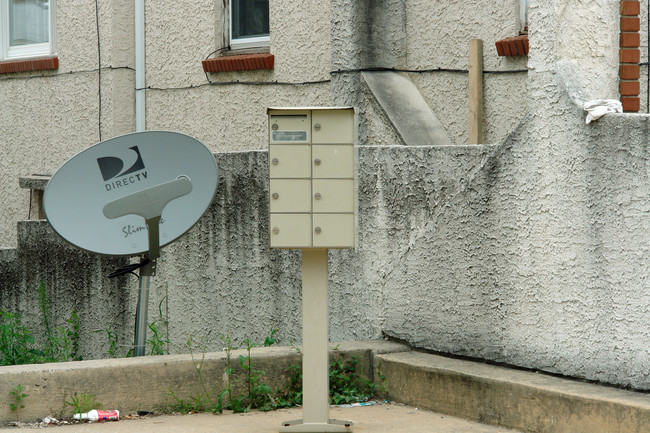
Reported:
(26, 28)
(249, 24)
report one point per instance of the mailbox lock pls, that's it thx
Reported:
(317, 196)
(276, 230)
(275, 161)
(274, 127)
(317, 127)
(275, 196)
(317, 230)
(317, 161)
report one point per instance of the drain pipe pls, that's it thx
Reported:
(139, 67)
(140, 334)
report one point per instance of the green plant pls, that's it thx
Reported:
(159, 340)
(61, 344)
(202, 399)
(82, 403)
(290, 394)
(158, 344)
(17, 397)
(16, 341)
(113, 340)
(234, 402)
(259, 394)
(73, 334)
(347, 382)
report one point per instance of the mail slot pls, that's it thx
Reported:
(294, 127)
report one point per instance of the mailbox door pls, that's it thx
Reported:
(333, 195)
(333, 230)
(290, 230)
(290, 195)
(332, 126)
(289, 160)
(333, 161)
(290, 128)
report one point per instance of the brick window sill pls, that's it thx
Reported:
(29, 65)
(244, 62)
(514, 46)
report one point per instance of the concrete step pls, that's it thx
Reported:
(522, 400)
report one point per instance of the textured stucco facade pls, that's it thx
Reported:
(532, 250)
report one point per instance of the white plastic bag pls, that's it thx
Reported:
(599, 107)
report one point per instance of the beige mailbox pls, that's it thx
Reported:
(312, 177)
(312, 202)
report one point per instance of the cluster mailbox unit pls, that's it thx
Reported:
(312, 202)
(312, 177)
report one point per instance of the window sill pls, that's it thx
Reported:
(29, 65)
(245, 62)
(514, 46)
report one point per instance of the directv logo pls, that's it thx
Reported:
(114, 172)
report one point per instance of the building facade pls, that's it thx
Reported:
(529, 248)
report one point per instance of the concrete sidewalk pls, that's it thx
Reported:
(382, 418)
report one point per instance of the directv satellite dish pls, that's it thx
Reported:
(134, 165)
(132, 195)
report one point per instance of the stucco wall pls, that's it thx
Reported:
(47, 120)
(532, 252)
(434, 43)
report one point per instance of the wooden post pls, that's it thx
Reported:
(475, 91)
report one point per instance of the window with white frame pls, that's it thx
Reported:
(26, 28)
(249, 24)
(523, 16)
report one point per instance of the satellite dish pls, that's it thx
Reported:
(100, 199)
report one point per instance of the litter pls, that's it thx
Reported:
(599, 107)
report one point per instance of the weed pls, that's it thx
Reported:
(113, 340)
(158, 344)
(16, 341)
(61, 344)
(291, 394)
(202, 399)
(259, 394)
(83, 403)
(347, 382)
(17, 397)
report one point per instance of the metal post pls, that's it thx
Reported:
(140, 339)
(315, 349)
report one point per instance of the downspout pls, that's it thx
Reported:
(140, 124)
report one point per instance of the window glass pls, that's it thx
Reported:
(250, 18)
(29, 22)
(523, 15)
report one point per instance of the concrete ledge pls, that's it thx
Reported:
(143, 384)
(522, 400)
(488, 394)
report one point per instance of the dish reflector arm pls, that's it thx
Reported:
(149, 204)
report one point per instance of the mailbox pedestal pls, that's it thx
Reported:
(313, 208)
(315, 361)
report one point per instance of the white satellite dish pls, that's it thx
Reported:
(130, 169)
(132, 195)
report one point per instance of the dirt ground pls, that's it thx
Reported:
(380, 418)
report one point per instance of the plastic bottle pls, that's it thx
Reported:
(99, 415)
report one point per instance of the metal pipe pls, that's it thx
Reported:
(140, 339)
(140, 124)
